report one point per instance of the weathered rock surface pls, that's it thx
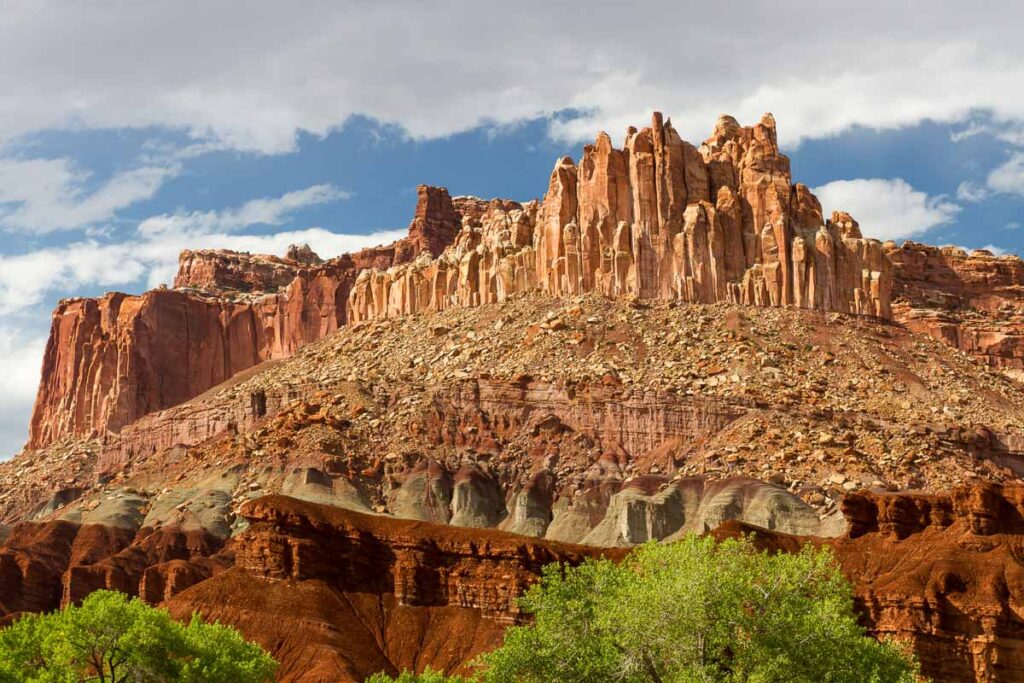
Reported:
(651, 508)
(549, 408)
(112, 360)
(658, 219)
(337, 595)
(944, 573)
(44, 565)
(973, 301)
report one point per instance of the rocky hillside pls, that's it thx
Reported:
(109, 361)
(974, 301)
(672, 340)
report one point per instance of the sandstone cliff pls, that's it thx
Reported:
(112, 360)
(974, 301)
(658, 219)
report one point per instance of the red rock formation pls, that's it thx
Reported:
(44, 565)
(942, 572)
(939, 572)
(31, 564)
(144, 567)
(337, 595)
(212, 270)
(657, 219)
(974, 301)
(112, 360)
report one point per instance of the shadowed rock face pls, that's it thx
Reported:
(658, 219)
(46, 565)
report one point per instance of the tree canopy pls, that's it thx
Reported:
(695, 610)
(112, 638)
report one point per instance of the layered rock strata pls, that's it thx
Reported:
(46, 565)
(337, 595)
(532, 414)
(658, 219)
(973, 301)
(111, 360)
(942, 573)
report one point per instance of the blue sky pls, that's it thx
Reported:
(134, 129)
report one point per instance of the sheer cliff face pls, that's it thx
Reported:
(658, 219)
(974, 301)
(111, 360)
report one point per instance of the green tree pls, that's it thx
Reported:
(428, 676)
(696, 610)
(693, 611)
(112, 638)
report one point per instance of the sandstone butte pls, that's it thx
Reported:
(673, 339)
(657, 219)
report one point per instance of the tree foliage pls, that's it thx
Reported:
(112, 638)
(428, 676)
(693, 611)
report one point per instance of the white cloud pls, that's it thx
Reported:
(21, 356)
(1007, 131)
(44, 195)
(252, 80)
(969, 191)
(1009, 176)
(152, 256)
(265, 211)
(886, 208)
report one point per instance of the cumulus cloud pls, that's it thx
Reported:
(1008, 177)
(886, 208)
(265, 211)
(252, 82)
(45, 195)
(151, 256)
(21, 356)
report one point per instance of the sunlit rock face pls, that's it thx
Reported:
(657, 219)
